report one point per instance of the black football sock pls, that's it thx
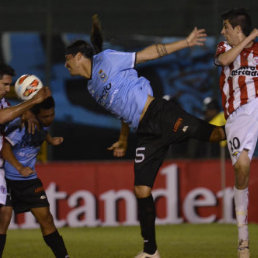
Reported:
(56, 243)
(147, 216)
(2, 243)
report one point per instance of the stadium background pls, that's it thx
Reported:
(35, 33)
(33, 37)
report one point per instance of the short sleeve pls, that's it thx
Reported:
(123, 60)
(14, 132)
(222, 47)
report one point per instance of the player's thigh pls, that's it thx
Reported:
(27, 194)
(148, 159)
(178, 125)
(242, 132)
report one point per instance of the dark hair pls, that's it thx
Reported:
(239, 16)
(46, 104)
(6, 69)
(80, 46)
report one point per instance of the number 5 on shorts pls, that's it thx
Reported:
(139, 155)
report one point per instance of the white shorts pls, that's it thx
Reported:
(242, 130)
(3, 190)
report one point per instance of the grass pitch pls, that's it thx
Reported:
(174, 241)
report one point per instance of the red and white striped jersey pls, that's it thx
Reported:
(239, 80)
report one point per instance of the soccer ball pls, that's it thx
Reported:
(27, 86)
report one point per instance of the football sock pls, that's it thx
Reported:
(56, 243)
(2, 243)
(147, 216)
(241, 206)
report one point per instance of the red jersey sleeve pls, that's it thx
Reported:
(221, 48)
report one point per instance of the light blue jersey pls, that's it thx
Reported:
(25, 148)
(115, 85)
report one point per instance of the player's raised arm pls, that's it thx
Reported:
(229, 56)
(96, 35)
(195, 38)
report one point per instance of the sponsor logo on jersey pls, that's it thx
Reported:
(245, 71)
(104, 94)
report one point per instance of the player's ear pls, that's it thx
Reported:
(78, 56)
(238, 29)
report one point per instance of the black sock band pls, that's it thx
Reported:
(2, 243)
(56, 243)
(147, 216)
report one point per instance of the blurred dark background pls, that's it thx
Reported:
(120, 18)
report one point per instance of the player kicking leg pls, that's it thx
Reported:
(156, 132)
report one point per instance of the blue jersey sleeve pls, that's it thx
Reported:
(14, 132)
(123, 60)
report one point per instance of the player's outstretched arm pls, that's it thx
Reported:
(9, 156)
(119, 148)
(229, 56)
(196, 38)
(11, 113)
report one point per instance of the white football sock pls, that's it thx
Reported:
(241, 207)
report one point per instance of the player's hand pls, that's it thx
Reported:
(196, 38)
(42, 94)
(26, 171)
(118, 148)
(254, 34)
(96, 22)
(56, 141)
(96, 36)
(31, 120)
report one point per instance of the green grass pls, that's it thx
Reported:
(175, 241)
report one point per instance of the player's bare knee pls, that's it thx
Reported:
(241, 182)
(142, 191)
(242, 170)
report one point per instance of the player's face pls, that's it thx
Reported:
(46, 116)
(71, 64)
(229, 33)
(5, 84)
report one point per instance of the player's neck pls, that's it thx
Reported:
(86, 69)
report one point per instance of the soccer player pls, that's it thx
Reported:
(114, 83)
(25, 189)
(8, 113)
(238, 56)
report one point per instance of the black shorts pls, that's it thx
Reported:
(23, 195)
(163, 124)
